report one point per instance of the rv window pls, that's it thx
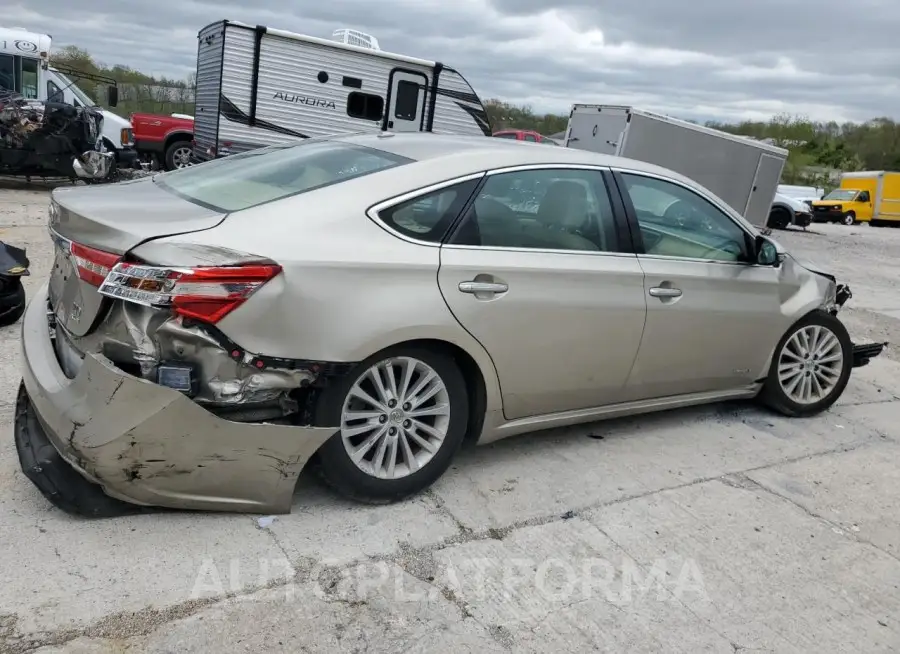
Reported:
(252, 178)
(407, 105)
(365, 106)
(30, 78)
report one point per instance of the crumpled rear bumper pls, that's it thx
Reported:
(143, 443)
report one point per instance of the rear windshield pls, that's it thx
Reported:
(245, 180)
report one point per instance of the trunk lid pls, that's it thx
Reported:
(113, 219)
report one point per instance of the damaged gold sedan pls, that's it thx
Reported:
(370, 302)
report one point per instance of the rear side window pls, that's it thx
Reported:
(262, 175)
(428, 217)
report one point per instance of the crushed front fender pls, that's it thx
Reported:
(150, 445)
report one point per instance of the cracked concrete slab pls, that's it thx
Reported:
(775, 576)
(520, 479)
(867, 507)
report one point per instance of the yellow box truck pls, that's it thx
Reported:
(871, 196)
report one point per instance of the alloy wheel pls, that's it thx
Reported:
(182, 157)
(810, 364)
(395, 418)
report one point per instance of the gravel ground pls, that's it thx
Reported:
(716, 529)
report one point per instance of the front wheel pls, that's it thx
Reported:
(810, 368)
(849, 218)
(403, 415)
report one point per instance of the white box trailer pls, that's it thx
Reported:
(742, 172)
(258, 86)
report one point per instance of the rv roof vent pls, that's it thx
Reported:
(354, 37)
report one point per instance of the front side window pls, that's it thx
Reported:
(428, 217)
(549, 209)
(530, 137)
(505, 135)
(54, 93)
(249, 179)
(676, 221)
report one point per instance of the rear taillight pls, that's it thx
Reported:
(92, 265)
(204, 293)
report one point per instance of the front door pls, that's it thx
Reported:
(713, 318)
(537, 273)
(406, 101)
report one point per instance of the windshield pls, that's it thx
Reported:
(841, 194)
(262, 175)
(77, 92)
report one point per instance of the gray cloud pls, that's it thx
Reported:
(723, 59)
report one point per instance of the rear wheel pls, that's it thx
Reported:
(178, 155)
(403, 415)
(811, 366)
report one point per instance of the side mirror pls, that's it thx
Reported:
(112, 95)
(766, 252)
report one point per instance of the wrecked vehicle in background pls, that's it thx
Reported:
(376, 299)
(51, 140)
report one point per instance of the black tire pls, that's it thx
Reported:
(173, 147)
(779, 218)
(12, 301)
(339, 471)
(774, 396)
(849, 218)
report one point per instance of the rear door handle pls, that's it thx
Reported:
(482, 287)
(661, 291)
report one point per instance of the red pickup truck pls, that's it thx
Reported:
(167, 140)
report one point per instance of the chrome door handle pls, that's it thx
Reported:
(482, 287)
(660, 291)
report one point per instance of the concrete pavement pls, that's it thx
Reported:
(716, 529)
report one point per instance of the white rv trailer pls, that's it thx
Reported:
(258, 86)
(742, 172)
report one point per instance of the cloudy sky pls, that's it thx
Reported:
(724, 59)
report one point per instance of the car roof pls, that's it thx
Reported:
(481, 152)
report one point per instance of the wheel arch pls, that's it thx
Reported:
(177, 136)
(475, 364)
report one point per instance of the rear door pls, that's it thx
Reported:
(406, 101)
(538, 272)
(712, 318)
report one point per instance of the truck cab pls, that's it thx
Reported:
(25, 68)
(845, 205)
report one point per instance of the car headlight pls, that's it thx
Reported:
(127, 136)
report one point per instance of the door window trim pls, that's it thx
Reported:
(635, 227)
(374, 211)
(626, 248)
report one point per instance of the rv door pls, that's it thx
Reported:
(406, 101)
